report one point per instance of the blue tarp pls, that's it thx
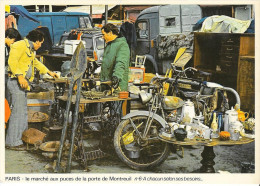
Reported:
(251, 28)
(20, 10)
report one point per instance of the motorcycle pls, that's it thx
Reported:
(136, 139)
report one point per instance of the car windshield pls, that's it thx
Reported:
(100, 43)
(85, 22)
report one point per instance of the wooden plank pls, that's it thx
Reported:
(85, 101)
(41, 95)
(197, 52)
(38, 104)
(65, 80)
(207, 142)
(124, 108)
(246, 83)
(247, 45)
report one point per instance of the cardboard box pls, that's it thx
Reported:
(71, 45)
(136, 75)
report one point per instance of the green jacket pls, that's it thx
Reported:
(116, 62)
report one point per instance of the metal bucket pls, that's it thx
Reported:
(40, 105)
(54, 133)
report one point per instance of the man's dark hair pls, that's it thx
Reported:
(35, 35)
(12, 33)
(110, 27)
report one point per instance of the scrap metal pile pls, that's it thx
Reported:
(169, 45)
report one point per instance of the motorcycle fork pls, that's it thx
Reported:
(147, 124)
(153, 109)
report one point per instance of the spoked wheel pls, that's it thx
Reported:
(137, 152)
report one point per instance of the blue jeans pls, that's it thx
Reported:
(18, 121)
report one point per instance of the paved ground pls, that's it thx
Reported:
(227, 159)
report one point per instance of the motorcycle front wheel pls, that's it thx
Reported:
(137, 152)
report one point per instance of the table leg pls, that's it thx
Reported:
(207, 161)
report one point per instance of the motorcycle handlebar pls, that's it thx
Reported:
(191, 69)
(184, 81)
(204, 73)
(179, 80)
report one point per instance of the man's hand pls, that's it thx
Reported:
(115, 82)
(53, 74)
(23, 82)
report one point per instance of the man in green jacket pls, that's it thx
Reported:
(21, 63)
(115, 63)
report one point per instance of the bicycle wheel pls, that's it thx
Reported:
(138, 153)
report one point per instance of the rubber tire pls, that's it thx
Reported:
(127, 161)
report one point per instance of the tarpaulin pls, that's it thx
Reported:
(20, 10)
(224, 24)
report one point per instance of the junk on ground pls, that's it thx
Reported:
(33, 136)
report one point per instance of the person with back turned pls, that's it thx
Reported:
(11, 35)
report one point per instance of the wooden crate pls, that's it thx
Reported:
(246, 82)
(235, 55)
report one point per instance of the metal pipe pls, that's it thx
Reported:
(106, 13)
(90, 11)
(65, 126)
(75, 123)
(180, 19)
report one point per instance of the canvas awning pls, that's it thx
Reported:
(96, 9)
(20, 10)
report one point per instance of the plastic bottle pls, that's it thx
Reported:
(214, 124)
(220, 121)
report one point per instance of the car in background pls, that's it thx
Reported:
(56, 22)
(93, 42)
